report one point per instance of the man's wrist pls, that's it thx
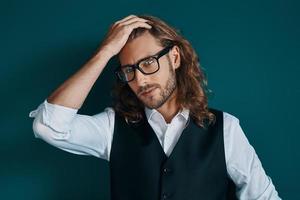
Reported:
(105, 52)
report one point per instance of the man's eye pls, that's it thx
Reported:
(128, 70)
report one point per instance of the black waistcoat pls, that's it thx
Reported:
(196, 169)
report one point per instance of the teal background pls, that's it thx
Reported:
(249, 50)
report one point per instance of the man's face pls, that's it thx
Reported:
(162, 84)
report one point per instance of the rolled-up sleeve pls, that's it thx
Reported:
(243, 164)
(64, 128)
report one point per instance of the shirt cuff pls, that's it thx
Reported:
(55, 116)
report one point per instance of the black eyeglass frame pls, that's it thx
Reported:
(136, 66)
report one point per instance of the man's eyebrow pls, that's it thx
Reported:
(139, 60)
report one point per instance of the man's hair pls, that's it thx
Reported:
(191, 80)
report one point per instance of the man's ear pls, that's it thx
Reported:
(175, 56)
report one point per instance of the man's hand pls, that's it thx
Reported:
(119, 32)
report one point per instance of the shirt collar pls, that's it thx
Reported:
(149, 113)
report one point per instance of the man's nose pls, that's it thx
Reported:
(140, 78)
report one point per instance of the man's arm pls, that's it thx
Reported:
(74, 90)
(243, 164)
(63, 128)
(56, 119)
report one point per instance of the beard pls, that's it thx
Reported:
(156, 101)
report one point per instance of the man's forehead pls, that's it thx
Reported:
(142, 56)
(138, 49)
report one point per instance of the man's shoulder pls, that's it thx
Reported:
(106, 112)
(109, 109)
(228, 116)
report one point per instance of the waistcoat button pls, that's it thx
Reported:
(166, 170)
(164, 196)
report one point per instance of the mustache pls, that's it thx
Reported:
(147, 87)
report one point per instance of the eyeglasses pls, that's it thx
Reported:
(147, 66)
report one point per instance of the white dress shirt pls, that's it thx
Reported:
(64, 128)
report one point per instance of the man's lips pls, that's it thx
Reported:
(148, 91)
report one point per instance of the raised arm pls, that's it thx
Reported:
(74, 90)
(56, 119)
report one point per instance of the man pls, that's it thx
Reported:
(160, 138)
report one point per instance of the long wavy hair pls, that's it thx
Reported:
(190, 78)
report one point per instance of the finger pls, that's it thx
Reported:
(138, 24)
(124, 19)
(134, 19)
